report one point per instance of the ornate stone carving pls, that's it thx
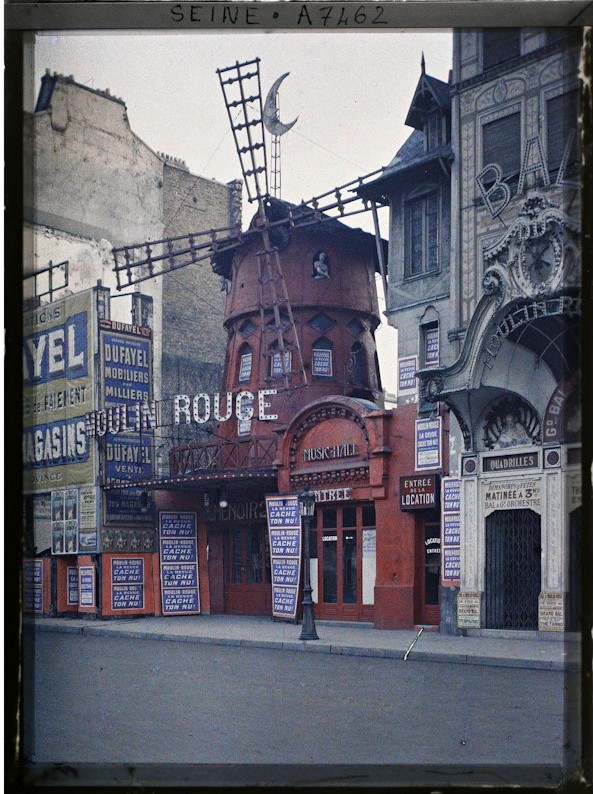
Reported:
(511, 422)
(537, 256)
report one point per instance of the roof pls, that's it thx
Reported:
(409, 159)
(429, 92)
(48, 84)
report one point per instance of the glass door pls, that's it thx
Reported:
(336, 547)
(247, 571)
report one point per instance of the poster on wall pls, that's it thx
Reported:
(72, 585)
(428, 443)
(86, 586)
(33, 586)
(127, 583)
(178, 546)
(57, 393)
(64, 521)
(406, 379)
(284, 528)
(451, 531)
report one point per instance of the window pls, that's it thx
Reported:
(322, 322)
(247, 328)
(322, 364)
(245, 363)
(562, 137)
(278, 367)
(430, 345)
(422, 249)
(500, 45)
(501, 146)
(433, 131)
(355, 326)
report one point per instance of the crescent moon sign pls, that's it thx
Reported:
(271, 116)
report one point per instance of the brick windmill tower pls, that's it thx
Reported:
(301, 308)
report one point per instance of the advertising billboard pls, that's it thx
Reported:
(58, 344)
(127, 436)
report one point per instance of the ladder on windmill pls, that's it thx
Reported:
(241, 89)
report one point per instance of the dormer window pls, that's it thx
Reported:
(433, 131)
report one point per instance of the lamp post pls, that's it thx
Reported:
(307, 508)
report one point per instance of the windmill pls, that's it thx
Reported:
(271, 226)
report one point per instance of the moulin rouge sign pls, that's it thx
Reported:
(144, 416)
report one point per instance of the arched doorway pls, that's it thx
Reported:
(513, 569)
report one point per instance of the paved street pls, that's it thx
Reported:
(111, 700)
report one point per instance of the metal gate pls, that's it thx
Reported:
(513, 569)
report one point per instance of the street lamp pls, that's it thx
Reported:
(307, 508)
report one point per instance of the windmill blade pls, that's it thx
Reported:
(241, 88)
(143, 261)
(339, 202)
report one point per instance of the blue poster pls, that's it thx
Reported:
(451, 495)
(33, 585)
(72, 585)
(428, 443)
(407, 374)
(451, 565)
(178, 545)
(127, 583)
(451, 530)
(86, 585)
(284, 528)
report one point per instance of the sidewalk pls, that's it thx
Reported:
(525, 649)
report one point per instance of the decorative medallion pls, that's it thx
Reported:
(536, 257)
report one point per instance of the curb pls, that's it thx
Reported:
(305, 646)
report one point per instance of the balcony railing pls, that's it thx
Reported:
(223, 455)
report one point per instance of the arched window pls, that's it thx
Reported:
(279, 368)
(322, 358)
(245, 363)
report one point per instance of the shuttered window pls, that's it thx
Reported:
(562, 127)
(501, 144)
(500, 45)
(422, 236)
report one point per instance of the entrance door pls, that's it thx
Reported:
(343, 582)
(429, 558)
(513, 569)
(247, 589)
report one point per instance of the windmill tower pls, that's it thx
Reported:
(301, 305)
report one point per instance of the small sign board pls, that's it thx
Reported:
(418, 491)
(551, 614)
(468, 609)
(284, 528)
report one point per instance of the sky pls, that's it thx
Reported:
(351, 92)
